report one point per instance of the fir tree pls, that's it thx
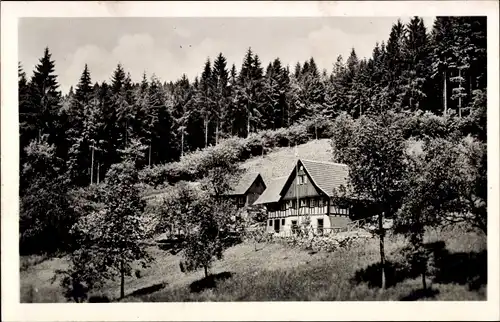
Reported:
(416, 67)
(221, 94)
(79, 160)
(46, 101)
(205, 97)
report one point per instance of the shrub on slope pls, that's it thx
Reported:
(194, 165)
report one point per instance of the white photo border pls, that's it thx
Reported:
(13, 310)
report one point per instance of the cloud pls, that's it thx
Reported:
(185, 49)
(182, 32)
(95, 57)
(169, 57)
(136, 52)
(170, 48)
(327, 43)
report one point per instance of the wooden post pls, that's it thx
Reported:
(297, 187)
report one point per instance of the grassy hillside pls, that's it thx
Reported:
(276, 272)
(280, 161)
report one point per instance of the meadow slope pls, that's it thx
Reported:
(278, 273)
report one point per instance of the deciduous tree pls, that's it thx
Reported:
(375, 154)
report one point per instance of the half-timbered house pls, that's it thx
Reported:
(306, 194)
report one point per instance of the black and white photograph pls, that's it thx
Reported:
(185, 159)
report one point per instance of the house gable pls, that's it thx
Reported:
(245, 184)
(303, 187)
(255, 190)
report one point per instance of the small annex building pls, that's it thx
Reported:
(247, 189)
(307, 192)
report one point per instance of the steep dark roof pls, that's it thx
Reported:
(326, 175)
(245, 183)
(272, 192)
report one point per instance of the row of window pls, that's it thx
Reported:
(306, 202)
(334, 211)
(320, 223)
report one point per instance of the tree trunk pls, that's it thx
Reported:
(206, 271)
(206, 133)
(122, 280)
(424, 284)
(126, 133)
(182, 143)
(92, 167)
(149, 162)
(217, 132)
(470, 87)
(382, 253)
(316, 130)
(460, 95)
(97, 172)
(445, 94)
(248, 123)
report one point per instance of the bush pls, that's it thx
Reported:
(298, 135)
(253, 145)
(322, 127)
(281, 138)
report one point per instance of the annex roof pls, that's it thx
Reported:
(245, 183)
(272, 192)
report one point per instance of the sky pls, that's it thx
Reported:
(169, 47)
